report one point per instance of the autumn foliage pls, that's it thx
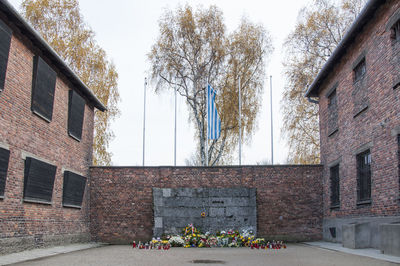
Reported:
(194, 49)
(62, 26)
(318, 31)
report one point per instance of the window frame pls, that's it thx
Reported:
(31, 181)
(68, 181)
(398, 160)
(4, 164)
(395, 31)
(393, 26)
(75, 101)
(4, 29)
(360, 70)
(364, 177)
(334, 178)
(43, 82)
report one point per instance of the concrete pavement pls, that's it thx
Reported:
(295, 254)
(35, 254)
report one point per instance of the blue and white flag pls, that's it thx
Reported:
(213, 121)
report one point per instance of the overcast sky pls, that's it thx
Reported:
(127, 29)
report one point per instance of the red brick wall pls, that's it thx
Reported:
(378, 125)
(23, 132)
(121, 198)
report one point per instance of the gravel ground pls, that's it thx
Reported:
(295, 254)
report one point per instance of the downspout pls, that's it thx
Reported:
(312, 100)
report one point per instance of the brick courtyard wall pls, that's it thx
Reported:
(289, 198)
(27, 225)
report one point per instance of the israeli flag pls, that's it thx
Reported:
(213, 123)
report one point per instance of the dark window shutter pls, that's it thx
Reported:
(5, 41)
(74, 187)
(43, 87)
(76, 111)
(39, 180)
(4, 158)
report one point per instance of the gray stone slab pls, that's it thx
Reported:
(182, 212)
(158, 222)
(356, 235)
(225, 208)
(157, 192)
(185, 202)
(184, 192)
(240, 211)
(215, 212)
(166, 192)
(229, 192)
(337, 223)
(390, 239)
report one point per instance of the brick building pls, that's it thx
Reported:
(46, 135)
(359, 97)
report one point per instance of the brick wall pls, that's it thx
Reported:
(289, 198)
(27, 225)
(376, 127)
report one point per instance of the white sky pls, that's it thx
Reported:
(126, 30)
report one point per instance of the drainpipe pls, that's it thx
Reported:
(312, 100)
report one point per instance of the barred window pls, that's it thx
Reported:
(364, 177)
(335, 186)
(4, 158)
(398, 157)
(332, 113)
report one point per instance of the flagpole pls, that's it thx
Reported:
(207, 124)
(144, 118)
(272, 124)
(175, 133)
(240, 126)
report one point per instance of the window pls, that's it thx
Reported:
(4, 158)
(395, 31)
(43, 86)
(76, 111)
(335, 186)
(74, 187)
(359, 70)
(398, 157)
(38, 181)
(364, 177)
(5, 41)
(332, 99)
(333, 113)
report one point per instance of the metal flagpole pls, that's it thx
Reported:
(272, 124)
(240, 126)
(175, 133)
(207, 124)
(144, 118)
